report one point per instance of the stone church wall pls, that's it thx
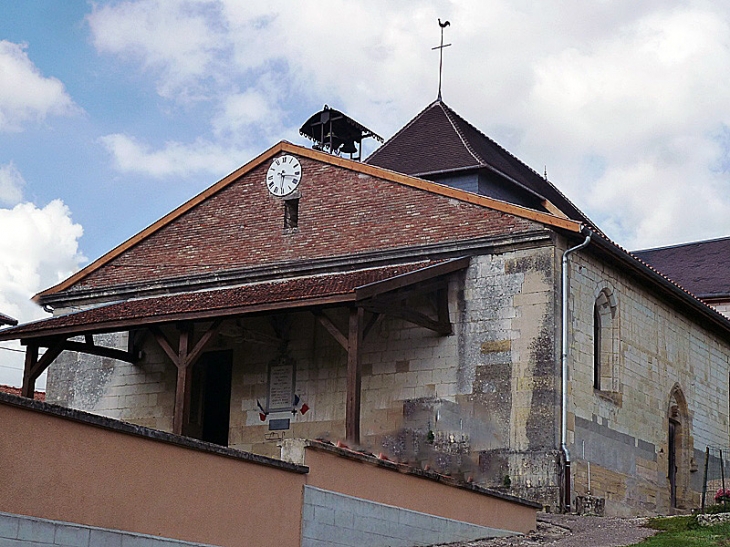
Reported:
(480, 404)
(662, 359)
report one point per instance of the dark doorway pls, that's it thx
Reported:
(673, 462)
(210, 404)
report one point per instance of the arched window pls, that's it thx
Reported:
(604, 339)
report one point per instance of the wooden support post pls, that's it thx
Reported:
(34, 366)
(184, 360)
(184, 381)
(352, 416)
(31, 358)
(442, 305)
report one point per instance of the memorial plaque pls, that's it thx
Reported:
(281, 387)
(279, 424)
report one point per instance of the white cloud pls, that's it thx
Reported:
(174, 38)
(174, 159)
(241, 112)
(11, 184)
(25, 94)
(622, 101)
(41, 250)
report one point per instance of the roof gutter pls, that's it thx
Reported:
(564, 366)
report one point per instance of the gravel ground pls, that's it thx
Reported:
(574, 531)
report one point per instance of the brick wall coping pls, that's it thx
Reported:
(368, 458)
(140, 431)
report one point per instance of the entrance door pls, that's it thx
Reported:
(673, 462)
(210, 398)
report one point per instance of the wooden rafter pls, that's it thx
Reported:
(373, 322)
(327, 323)
(405, 313)
(413, 279)
(92, 349)
(35, 366)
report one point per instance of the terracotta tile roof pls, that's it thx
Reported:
(701, 267)
(7, 320)
(439, 140)
(211, 303)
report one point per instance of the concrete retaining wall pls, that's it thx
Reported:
(332, 519)
(22, 531)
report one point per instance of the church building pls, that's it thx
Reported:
(439, 303)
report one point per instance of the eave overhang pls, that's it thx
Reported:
(346, 288)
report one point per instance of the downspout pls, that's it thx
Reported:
(564, 364)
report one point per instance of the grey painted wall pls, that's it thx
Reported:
(22, 531)
(333, 519)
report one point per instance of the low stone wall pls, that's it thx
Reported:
(712, 520)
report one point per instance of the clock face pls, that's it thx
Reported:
(283, 176)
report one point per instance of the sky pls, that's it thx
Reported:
(113, 113)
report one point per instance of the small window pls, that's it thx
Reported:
(605, 340)
(291, 213)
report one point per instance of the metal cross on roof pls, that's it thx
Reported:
(441, 51)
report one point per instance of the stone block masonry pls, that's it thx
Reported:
(665, 369)
(142, 393)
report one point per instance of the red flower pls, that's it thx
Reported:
(722, 496)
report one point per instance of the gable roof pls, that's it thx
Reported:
(701, 267)
(324, 158)
(438, 141)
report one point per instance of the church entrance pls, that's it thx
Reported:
(673, 424)
(679, 447)
(210, 397)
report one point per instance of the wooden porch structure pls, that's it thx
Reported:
(368, 304)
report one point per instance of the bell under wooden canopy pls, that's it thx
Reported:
(337, 133)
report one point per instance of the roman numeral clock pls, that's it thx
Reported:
(283, 176)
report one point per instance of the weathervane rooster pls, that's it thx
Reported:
(441, 51)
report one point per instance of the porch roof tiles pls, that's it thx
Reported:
(296, 292)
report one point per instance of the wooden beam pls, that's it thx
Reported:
(411, 278)
(101, 351)
(442, 309)
(374, 321)
(200, 346)
(31, 358)
(184, 380)
(331, 328)
(413, 316)
(352, 413)
(427, 287)
(34, 366)
(164, 344)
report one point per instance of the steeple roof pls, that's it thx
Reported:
(439, 142)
